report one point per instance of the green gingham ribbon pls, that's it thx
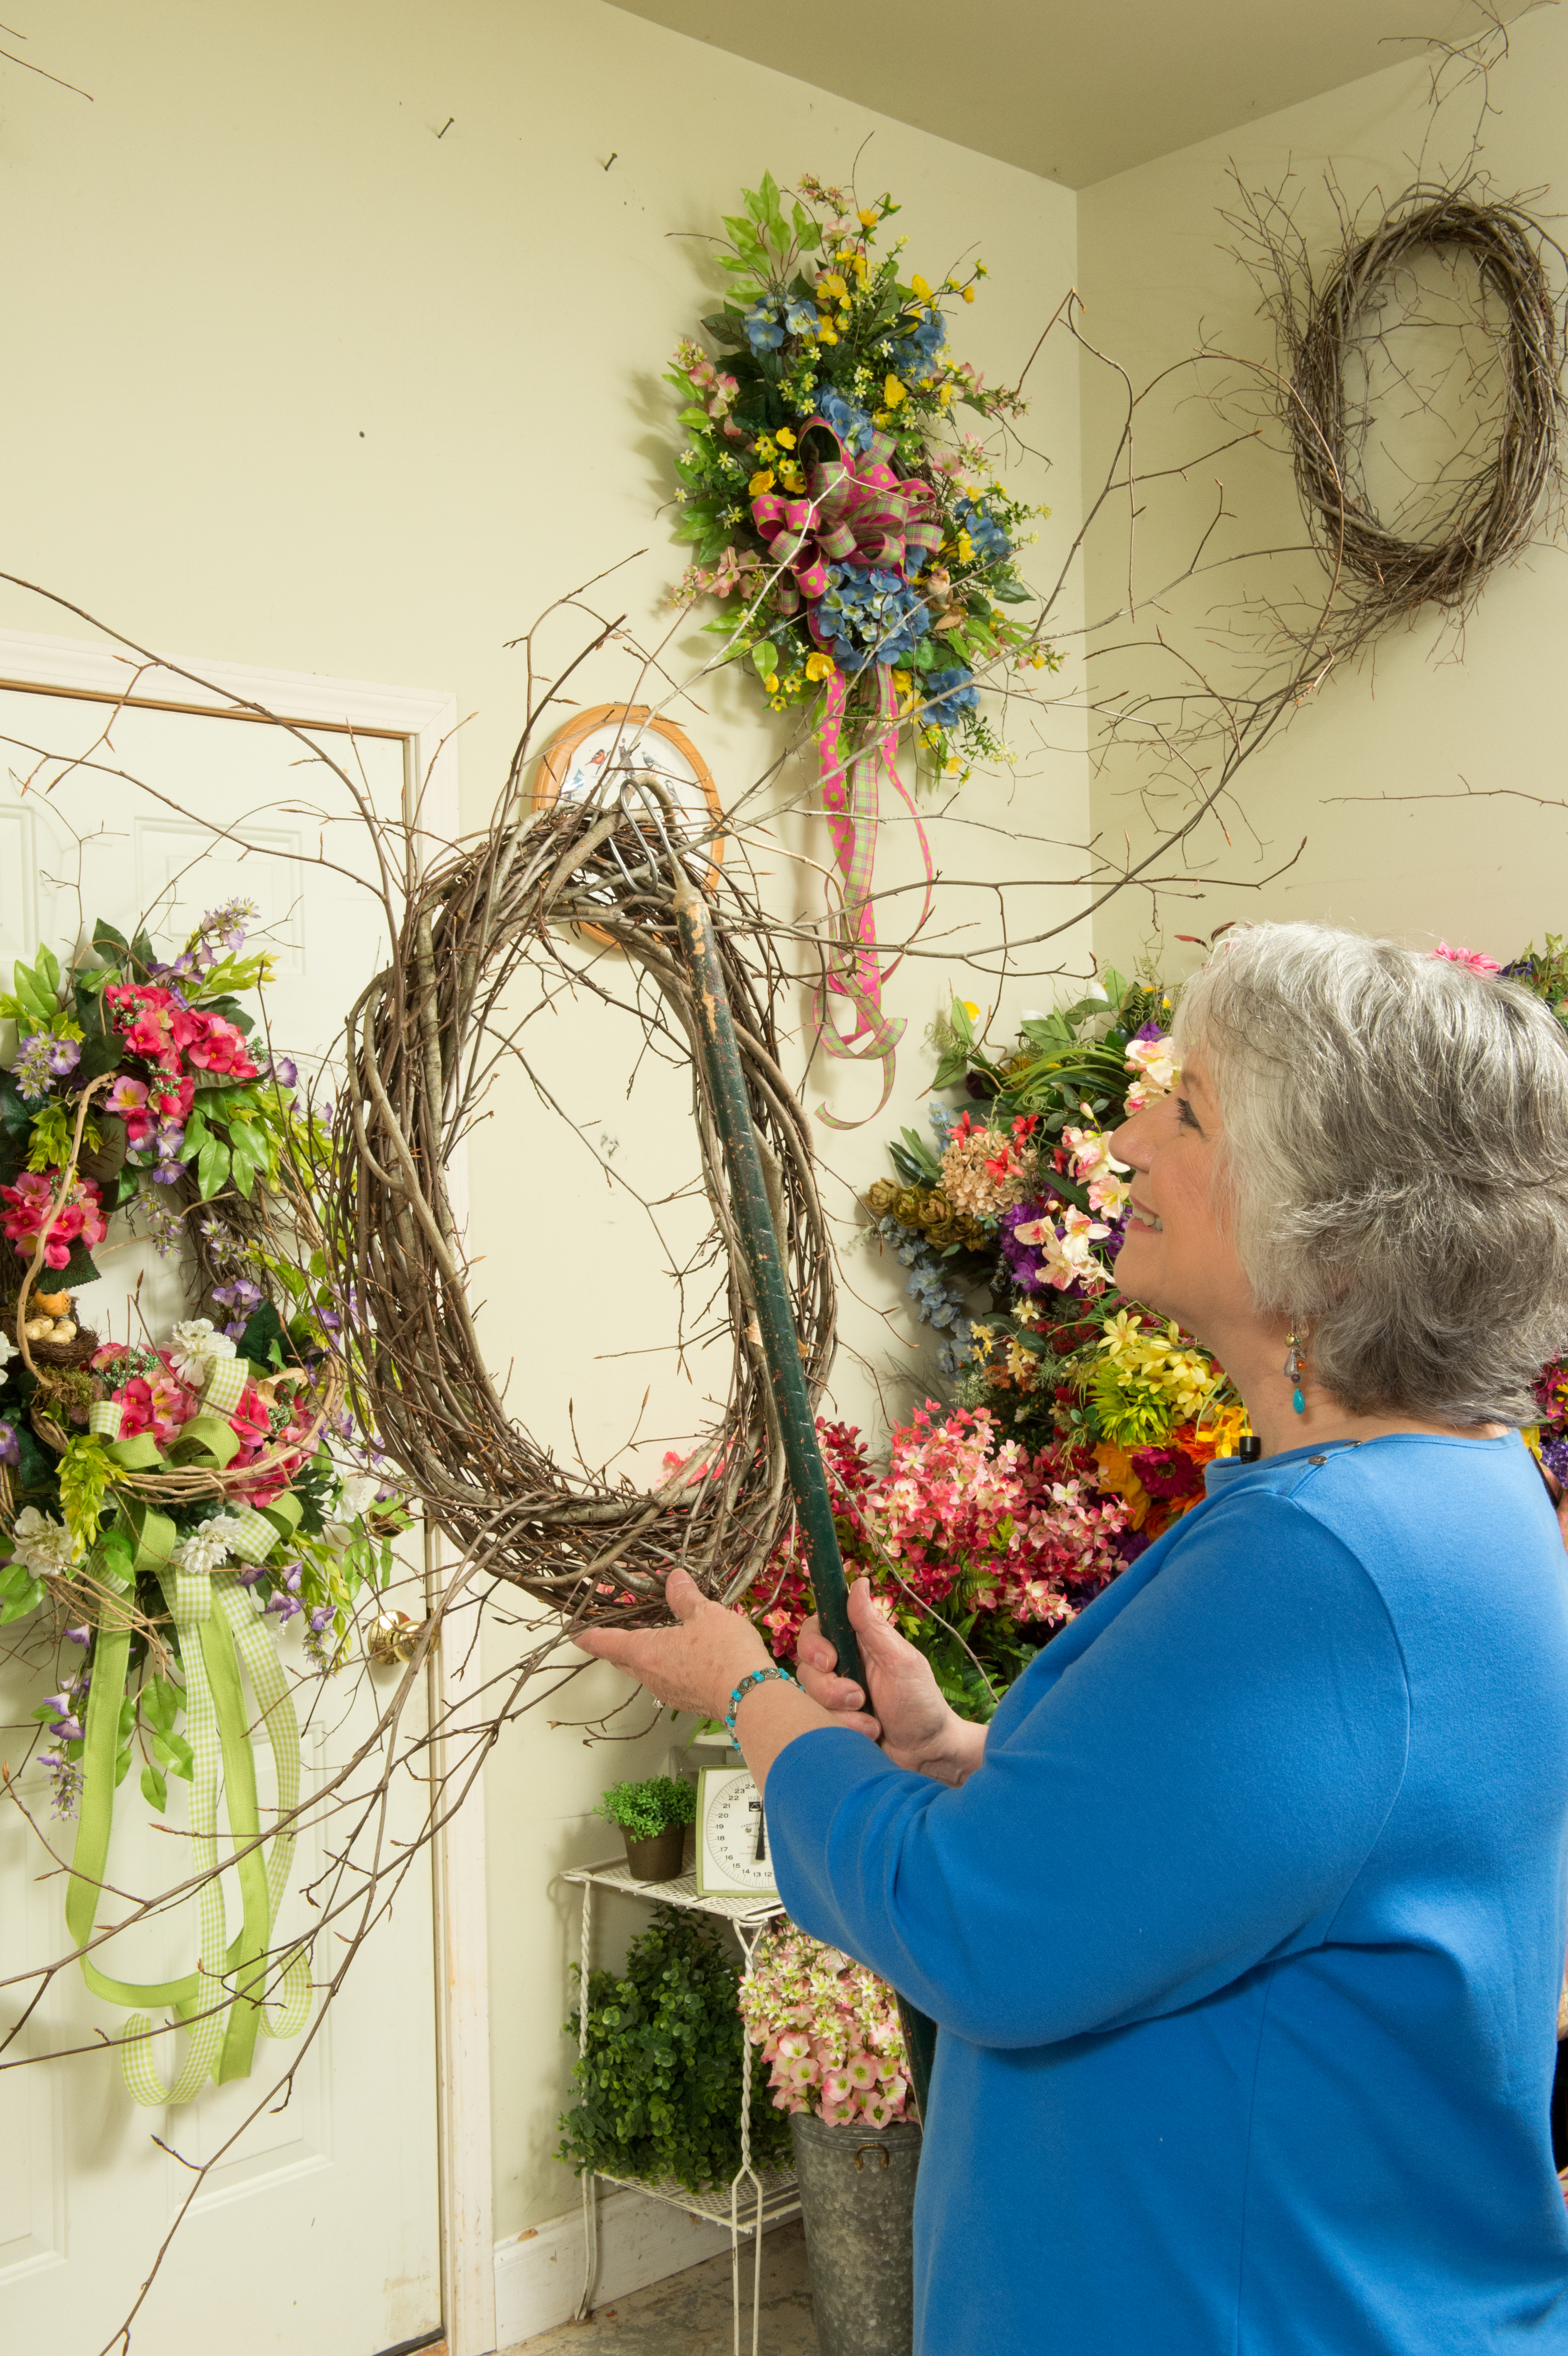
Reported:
(252, 1534)
(225, 1384)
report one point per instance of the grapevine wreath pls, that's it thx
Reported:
(424, 1040)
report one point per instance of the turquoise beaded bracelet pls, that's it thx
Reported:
(757, 1677)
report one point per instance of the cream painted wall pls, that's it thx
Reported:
(297, 382)
(1432, 712)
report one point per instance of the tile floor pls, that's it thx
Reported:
(689, 2314)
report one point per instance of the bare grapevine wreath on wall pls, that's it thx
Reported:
(1501, 486)
(423, 1042)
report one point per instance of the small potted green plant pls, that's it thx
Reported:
(653, 1817)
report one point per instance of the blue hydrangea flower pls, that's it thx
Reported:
(914, 355)
(851, 423)
(869, 615)
(764, 329)
(800, 318)
(948, 695)
(989, 539)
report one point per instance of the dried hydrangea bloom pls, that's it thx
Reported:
(985, 1172)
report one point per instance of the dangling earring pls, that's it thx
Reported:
(1295, 1367)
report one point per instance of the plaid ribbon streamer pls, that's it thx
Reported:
(859, 512)
(852, 821)
(104, 1418)
(189, 1605)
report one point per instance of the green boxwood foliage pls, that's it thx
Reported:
(659, 2085)
(645, 1809)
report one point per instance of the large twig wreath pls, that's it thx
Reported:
(424, 1041)
(1491, 507)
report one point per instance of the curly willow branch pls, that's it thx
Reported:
(420, 1039)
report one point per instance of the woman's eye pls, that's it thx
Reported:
(1186, 1114)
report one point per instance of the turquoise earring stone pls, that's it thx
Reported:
(1295, 1366)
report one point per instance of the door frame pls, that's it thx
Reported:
(424, 721)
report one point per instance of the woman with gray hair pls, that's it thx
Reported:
(1243, 1920)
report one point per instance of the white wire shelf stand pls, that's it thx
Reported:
(757, 2198)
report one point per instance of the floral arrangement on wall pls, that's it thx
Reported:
(169, 1502)
(862, 548)
(844, 518)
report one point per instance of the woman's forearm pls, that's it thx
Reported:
(771, 1715)
(769, 1718)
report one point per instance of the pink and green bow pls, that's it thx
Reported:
(858, 511)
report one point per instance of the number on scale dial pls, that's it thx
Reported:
(732, 1857)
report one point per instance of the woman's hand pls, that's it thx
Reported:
(695, 1667)
(917, 1728)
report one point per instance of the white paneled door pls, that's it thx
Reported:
(317, 2231)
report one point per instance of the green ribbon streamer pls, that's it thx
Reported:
(221, 2043)
(154, 1535)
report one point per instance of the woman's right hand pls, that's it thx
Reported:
(917, 1728)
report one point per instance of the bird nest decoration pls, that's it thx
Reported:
(421, 1043)
(1488, 501)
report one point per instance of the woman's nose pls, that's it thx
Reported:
(1129, 1142)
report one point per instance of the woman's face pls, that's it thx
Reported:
(1179, 1254)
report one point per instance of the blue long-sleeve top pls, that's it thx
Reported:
(1245, 1940)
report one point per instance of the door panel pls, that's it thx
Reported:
(316, 2230)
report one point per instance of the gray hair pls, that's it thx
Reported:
(1396, 1161)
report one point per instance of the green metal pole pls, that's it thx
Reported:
(764, 1258)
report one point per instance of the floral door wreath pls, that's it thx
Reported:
(172, 1504)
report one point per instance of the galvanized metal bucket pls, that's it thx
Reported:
(856, 2198)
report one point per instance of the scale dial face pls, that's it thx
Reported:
(732, 1857)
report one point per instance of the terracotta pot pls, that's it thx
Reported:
(857, 2200)
(660, 1856)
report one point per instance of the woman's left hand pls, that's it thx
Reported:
(695, 1667)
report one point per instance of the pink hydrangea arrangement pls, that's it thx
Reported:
(828, 2029)
(154, 1400)
(959, 1500)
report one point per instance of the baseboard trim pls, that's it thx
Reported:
(538, 2274)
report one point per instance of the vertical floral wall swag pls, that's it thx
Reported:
(857, 537)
